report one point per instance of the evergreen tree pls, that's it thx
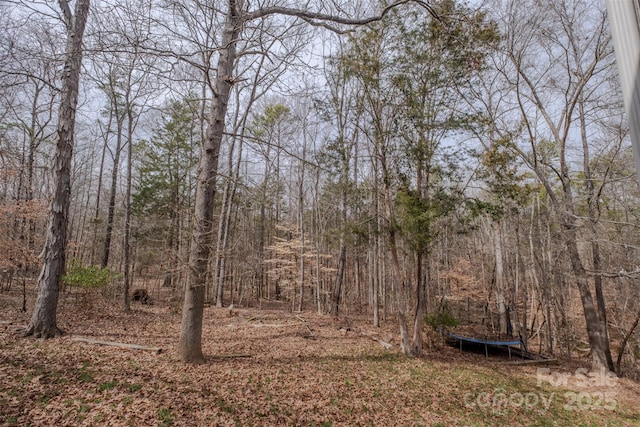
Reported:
(167, 170)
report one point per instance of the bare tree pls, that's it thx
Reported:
(569, 63)
(237, 15)
(341, 109)
(247, 93)
(29, 95)
(126, 77)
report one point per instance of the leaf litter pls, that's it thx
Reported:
(264, 367)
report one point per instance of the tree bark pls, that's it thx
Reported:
(301, 227)
(596, 330)
(594, 214)
(126, 301)
(623, 345)
(114, 181)
(337, 285)
(190, 343)
(342, 260)
(44, 318)
(99, 189)
(405, 340)
(499, 278)
(418, 321)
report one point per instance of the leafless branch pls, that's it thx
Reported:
(323, 20)
(613, 275)
(66, 12)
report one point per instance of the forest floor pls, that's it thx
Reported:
(271, 367)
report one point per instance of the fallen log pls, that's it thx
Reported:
(533, 362)
(156, 350)
(385, 344)
(375, 338)
(276, 325)
(309, 334)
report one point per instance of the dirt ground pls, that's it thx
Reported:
(271, 367)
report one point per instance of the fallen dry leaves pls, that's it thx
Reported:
(264, 368)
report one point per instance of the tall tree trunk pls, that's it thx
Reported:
(376, 260)
(190, 343)
(374, 278)
(499, 279)
(405, 343)
(301, 227)
(592, 200)
(99, 189)
(114, 182)
(521, 278)
(127, 216)
(596, 328)
(44, 318)
(597, 266)
(598, 339)
(220, 255)
(337, 284)
(317, 234)
(418, 322)
(342, 260)
(224, 225)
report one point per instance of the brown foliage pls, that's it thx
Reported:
(21, 244)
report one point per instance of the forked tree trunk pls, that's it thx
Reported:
(594, 215)
(44, 318)
(420, 310)
(405, 339)
(337, 285)
(342, 260)
(596, 329)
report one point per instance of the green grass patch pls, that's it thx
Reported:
(135, 387)
(108, 385)
(223, 405)
(11, 421)
(165, 417)
(85, 377)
